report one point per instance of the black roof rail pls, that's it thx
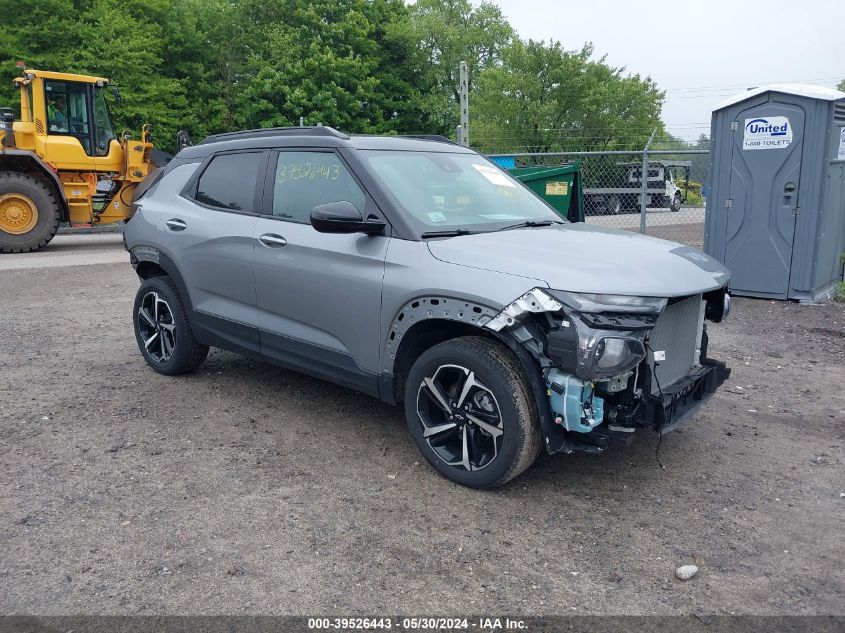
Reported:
(311, 130)
(429, 137)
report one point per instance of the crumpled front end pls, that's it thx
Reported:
(615, 363)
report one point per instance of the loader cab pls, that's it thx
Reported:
(79, 110)
(65, 119)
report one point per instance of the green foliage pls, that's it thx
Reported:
(365, 66)
(693, 192)
(841, 85)
(446, 33)
(544, 98)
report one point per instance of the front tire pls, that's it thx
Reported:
(614, 205)
(162, 329)
(29, 213)
(676, 203)
(470, 412)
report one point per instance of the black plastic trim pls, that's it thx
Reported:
(229, 335)
(680, 399)
(320, 362)
(314, 130)
(168, 266)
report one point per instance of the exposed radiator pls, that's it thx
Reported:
(677, 333)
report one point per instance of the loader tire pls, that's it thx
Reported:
(29, 213)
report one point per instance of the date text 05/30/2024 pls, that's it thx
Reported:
(417, 624)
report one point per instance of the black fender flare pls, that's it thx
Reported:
(143, 253)
(476, 315)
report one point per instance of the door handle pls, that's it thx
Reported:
(272, 240)
(175, 224)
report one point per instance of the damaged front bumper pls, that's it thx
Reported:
(680, 400)
(601, 370)
(662, 412)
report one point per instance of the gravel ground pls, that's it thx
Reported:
(245, 488)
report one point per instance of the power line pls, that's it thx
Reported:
(746, 84)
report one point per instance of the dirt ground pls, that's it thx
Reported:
(245, 489)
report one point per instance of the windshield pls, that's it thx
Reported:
(445, 192)
(103, 122)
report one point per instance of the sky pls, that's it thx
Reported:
(699, 52)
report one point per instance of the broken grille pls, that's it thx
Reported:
(677, 334)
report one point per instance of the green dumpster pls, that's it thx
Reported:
(560, 186)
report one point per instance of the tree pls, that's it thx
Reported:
(215, 65)
(841, 86)
(123, 41)
(126, 41)
(39, 34)
(446, 33)
(360, 65)
(337, 62)
(543, 98)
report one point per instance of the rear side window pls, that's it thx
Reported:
(229, 181)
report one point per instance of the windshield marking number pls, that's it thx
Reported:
(303, 171)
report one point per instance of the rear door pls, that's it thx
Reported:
(764, 190)
(319, 294)
(209, 234)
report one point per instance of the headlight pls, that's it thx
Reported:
(589, 302)
(613, 355)
(584, 344)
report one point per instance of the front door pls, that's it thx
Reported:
(319, 294)
(764, 187)
(70, 140)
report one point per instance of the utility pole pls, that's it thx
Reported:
(644, 182)
(464, 103)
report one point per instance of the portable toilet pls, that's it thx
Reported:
(776, 209)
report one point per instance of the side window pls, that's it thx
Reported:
(28, 104)
(304, 180)
(229, 181)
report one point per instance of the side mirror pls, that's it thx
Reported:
(343, 217)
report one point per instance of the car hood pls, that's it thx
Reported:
(586, 258)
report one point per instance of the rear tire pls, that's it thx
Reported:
(21, 229)
(162, 329)
(488, 432)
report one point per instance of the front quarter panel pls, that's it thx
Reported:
(463, 293)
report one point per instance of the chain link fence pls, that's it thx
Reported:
(674, 190)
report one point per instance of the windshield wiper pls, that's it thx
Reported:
(530, 223)
(450, 233)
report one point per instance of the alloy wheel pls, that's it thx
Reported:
(460, 417)
(156, 327)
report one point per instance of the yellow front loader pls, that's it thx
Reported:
(63, 160)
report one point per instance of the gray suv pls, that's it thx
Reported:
(416, 271)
